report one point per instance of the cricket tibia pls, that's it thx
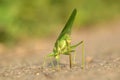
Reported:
(74, 46)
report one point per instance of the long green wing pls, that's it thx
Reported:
(68, 26)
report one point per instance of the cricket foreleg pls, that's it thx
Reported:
(52, 62)
(45, 59)
(58, 60)
(44, 62)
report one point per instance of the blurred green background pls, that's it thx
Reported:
(40, 18)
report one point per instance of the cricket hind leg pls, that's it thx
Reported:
(83, 54)
(74, 58)
(74, 46)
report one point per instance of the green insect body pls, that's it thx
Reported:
(63, 43)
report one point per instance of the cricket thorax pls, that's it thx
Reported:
(62, 46)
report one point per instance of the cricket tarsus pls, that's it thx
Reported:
(63, 43)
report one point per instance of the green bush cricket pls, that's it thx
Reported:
(63, 43)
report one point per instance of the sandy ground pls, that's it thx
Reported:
(102, 50)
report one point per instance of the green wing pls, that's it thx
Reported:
(68, 26)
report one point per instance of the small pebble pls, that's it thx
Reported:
(89, 59)
(37, 74)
